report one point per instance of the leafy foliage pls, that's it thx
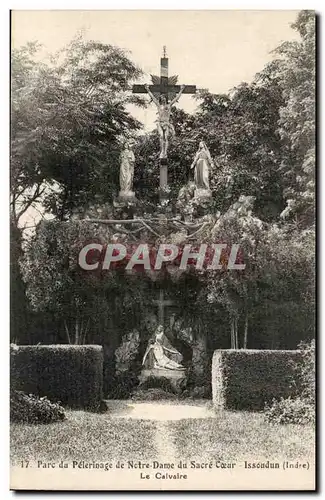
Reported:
(301, 409)
(30, 409)
(127, 351)
(152, 394)
(51, 270)
(307, 370)
(68, 124)
(296, 73)
(290, 411)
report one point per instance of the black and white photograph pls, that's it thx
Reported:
(162, 250)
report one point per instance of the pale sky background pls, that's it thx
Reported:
(210, 49)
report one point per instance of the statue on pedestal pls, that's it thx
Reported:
(202, 163)
(155, 357)
(127, 159)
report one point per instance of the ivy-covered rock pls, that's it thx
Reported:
(126, 353)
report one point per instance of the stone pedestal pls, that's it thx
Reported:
(202, 195)
(125, 205)
(176, 377)
(126, 196)
(202, 202)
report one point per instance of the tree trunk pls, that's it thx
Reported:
(232, 333)
(67, 331)
(19, 314)
(84, 335)
(245, 331)
(76, 340)
(236, 332)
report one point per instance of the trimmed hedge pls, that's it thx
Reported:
(69, 374)
(249, 379)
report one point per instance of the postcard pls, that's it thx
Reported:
(162, 222)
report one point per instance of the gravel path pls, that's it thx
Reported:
(162, 411)
(162, 414)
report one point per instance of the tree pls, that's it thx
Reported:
(241, 131)
(68, 124)
(68, 121)
(272, 300)
(86, 305)
(180, 156)
(26, 131)
(296, 72)
(237, 290)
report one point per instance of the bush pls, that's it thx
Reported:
(32, 410)
(290, 411)
(153, 394)
(306, 371)
(125, 385)
(157, 383)
(122, 385)
(69, 374)
(247, 379)
(198, 392)
(300, 410)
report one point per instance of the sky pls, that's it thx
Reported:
(215, 50)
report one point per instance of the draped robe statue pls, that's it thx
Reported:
(155, 356)
(202, 163)
(127, 172)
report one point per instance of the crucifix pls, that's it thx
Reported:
(162, 90)
(162, 303)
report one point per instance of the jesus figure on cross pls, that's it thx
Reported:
(164, 127)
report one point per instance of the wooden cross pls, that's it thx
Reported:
(164, 85)
(162, 303)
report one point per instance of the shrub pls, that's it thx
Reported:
(197, 392)
(70, 374)
(157, 383)
(300, 410)
(122, 385)
(152, 394)
(32, 410)
(103, 407)
(125, 385)
(290, 411)
(247, 379)
(306, 371)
